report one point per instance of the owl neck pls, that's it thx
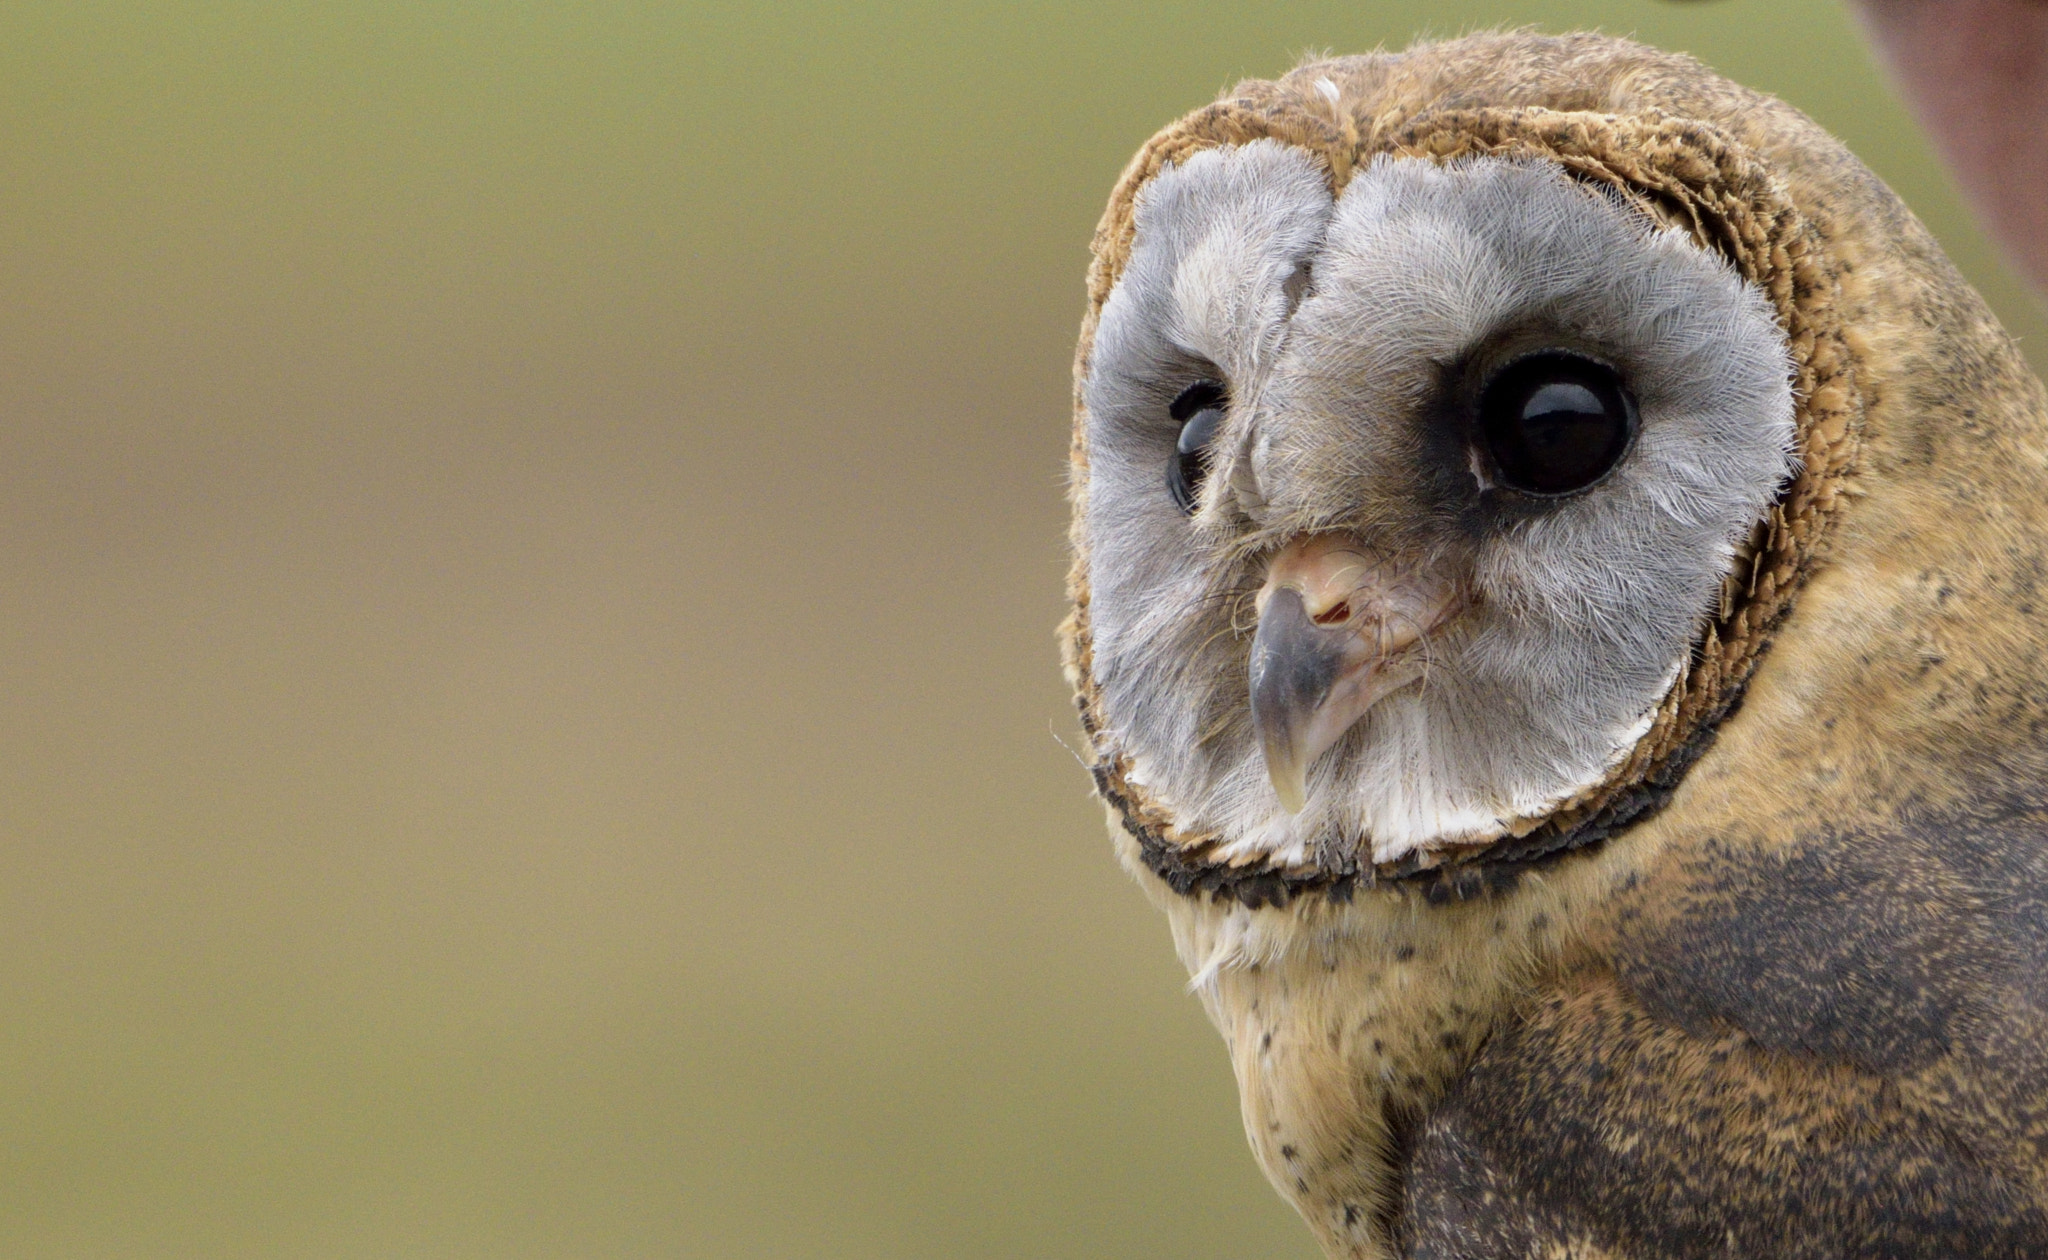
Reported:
(1348, 1018)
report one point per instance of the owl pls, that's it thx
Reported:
(1560, 603)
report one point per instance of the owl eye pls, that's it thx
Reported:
(1199, 408)
(1555, 423)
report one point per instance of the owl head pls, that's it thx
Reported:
(1440, 470)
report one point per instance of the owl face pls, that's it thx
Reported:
(1405, 507)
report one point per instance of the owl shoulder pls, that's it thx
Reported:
(1834, 1049)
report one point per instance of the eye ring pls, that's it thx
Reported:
(1554, 424)
(1200, 409)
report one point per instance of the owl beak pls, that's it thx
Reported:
(1338, 631)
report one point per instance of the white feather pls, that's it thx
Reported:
(1587, 609)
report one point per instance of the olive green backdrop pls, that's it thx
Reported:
(529, 723)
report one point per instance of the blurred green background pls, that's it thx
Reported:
(531, 540)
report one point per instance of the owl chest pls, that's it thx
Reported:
(1342, 1039)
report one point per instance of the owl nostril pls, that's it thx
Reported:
(1335, 616)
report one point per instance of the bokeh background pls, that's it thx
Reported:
(531, 534)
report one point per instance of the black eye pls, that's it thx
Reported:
(1199, 408)
(1555, 422)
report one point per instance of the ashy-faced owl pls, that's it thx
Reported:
(1556, 619)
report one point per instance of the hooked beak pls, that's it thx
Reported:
(1338, 630)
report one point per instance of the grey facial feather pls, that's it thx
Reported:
(1585, 607)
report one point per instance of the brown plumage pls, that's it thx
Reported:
(1777, 984)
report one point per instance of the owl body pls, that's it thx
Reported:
(1557, 618)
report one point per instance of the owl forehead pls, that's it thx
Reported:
(1217, 239)
(1243, 258)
